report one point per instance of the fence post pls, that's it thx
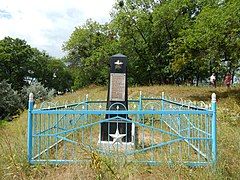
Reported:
(30, 108)
(162, 100)
(214, 130)
(140, 104)
(86, 100)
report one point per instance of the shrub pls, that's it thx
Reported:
(9, 101)
(39, 92)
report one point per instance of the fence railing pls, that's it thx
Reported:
(158, 130)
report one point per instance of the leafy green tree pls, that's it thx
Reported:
(146, 29)
(15, 56)
(60, 77)
(163, 40)
(89, 49)
(38, 68)
(83, 41)
(133, 22)
(211, 43)
(170, 18)
(52, 73)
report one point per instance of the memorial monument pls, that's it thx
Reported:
(117, 131)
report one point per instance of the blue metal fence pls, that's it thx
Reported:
(163, 131)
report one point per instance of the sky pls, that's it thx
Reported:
(47, 24)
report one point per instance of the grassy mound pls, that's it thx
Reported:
(13, 142)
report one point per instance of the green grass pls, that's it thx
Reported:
(13, 142)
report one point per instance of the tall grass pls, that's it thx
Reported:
(13, 143)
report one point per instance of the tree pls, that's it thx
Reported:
(89, 49)
(145, 29)
(133, 22)
(15, 55)
(52, 73)
(164, 40)
(211, 42)
(60, 77)
(83, 41)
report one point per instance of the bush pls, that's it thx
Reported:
(10, 101)
(39, 93)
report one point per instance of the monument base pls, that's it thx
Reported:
(116, 147)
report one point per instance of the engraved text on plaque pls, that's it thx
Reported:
(117, 86)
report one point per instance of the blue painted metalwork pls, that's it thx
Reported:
(214, 129)
(30, 106)
(167, 131)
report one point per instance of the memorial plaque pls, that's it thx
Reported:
(117, 86)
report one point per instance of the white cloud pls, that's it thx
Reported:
(46, 24)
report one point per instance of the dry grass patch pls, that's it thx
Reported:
(13, 142)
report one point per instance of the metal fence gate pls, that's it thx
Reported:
(157, 130)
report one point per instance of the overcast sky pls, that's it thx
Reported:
(46, 24)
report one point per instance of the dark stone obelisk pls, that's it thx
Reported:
(117, 87)
(117, 99)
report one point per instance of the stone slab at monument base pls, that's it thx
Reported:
(109, 146)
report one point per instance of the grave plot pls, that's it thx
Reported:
(152, 130)
(157, 130)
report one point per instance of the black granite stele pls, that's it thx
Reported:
(117, 99)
